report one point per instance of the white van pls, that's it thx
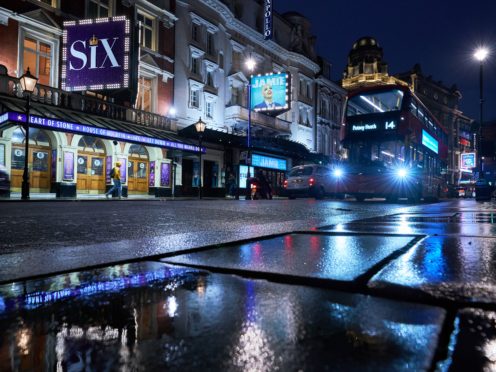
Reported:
(308, 180)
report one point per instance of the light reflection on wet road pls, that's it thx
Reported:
(150, 317)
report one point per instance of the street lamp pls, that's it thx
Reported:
(480, 55)
(250, 65)
(200, 128)
(28, 83)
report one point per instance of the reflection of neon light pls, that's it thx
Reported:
(36, 299)
(371, 103)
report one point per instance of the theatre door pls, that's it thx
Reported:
(91, 166)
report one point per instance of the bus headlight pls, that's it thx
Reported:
(337, 173)
(402, 173)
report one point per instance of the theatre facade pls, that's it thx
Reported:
(104, 94)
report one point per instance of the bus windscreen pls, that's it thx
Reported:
(374, 102)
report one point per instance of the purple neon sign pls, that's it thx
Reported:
(95, 54)
(65, 126)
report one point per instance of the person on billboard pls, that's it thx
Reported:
(268, 102)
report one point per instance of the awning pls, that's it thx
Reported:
(64, 120)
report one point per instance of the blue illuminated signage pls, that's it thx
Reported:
(243, 174)
(268, 162)
(430, 142)
(467, 161)
(267, 19)
(269, 92)
(4, 117)
(60, 125)
(372, 127)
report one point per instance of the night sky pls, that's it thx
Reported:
(441, 35)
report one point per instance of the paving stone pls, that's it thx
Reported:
(473, 342)
(460, 269)
(152, 316)
(419, 228)
(334, 257)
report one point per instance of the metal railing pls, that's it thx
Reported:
(47, 95)
(241, 113)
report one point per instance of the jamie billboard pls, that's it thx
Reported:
(467, 161)
(269, 93)
(95, 54)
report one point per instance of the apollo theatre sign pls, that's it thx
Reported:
(95, 54)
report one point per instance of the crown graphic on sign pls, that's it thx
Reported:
(94, 40)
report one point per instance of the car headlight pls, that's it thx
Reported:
(338, 173)
(402, 173)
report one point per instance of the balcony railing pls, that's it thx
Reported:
(75, 101)
(257, 119)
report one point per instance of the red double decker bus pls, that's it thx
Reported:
(396, 148)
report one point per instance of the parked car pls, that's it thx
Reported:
(308, 180)
(4, 182)
(483, 190)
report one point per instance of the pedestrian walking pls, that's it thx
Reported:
(115, 175)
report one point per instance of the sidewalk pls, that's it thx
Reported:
(409, 291)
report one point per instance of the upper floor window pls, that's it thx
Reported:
(209, 109)
(145, 94)
(210, 43)
(195, 32)
(195, 65)
(210, 78)
(148, 24)
(194, 98)
(52, 3)
(99, 8)
(37, 55)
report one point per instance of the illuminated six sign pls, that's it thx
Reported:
(95, 54)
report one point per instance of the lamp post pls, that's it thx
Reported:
(28, 83)
(250, 64)
(480, 55)
(200, 128)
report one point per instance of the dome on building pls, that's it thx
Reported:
(365, 41)
(366, 49)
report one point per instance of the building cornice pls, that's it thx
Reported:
(257, 38)
(6, 14)
(163, 15)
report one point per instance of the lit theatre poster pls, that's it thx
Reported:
(95, 54)
(270, 93)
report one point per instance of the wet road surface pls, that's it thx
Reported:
(408, 290)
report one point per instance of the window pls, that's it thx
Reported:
(221, 60)
(52, 3)
(195, 65)
(37, 55)
(194, 98)
(145, 98)
(195, 32)
(147, 39)
(210, 43)
(210, 78)
(99, 8)
(308, 93)
(375, 102)
(209, 109)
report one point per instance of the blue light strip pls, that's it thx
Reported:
(65, 126)
(430, 142)
(268, 162)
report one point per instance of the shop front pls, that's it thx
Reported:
(70, 158)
